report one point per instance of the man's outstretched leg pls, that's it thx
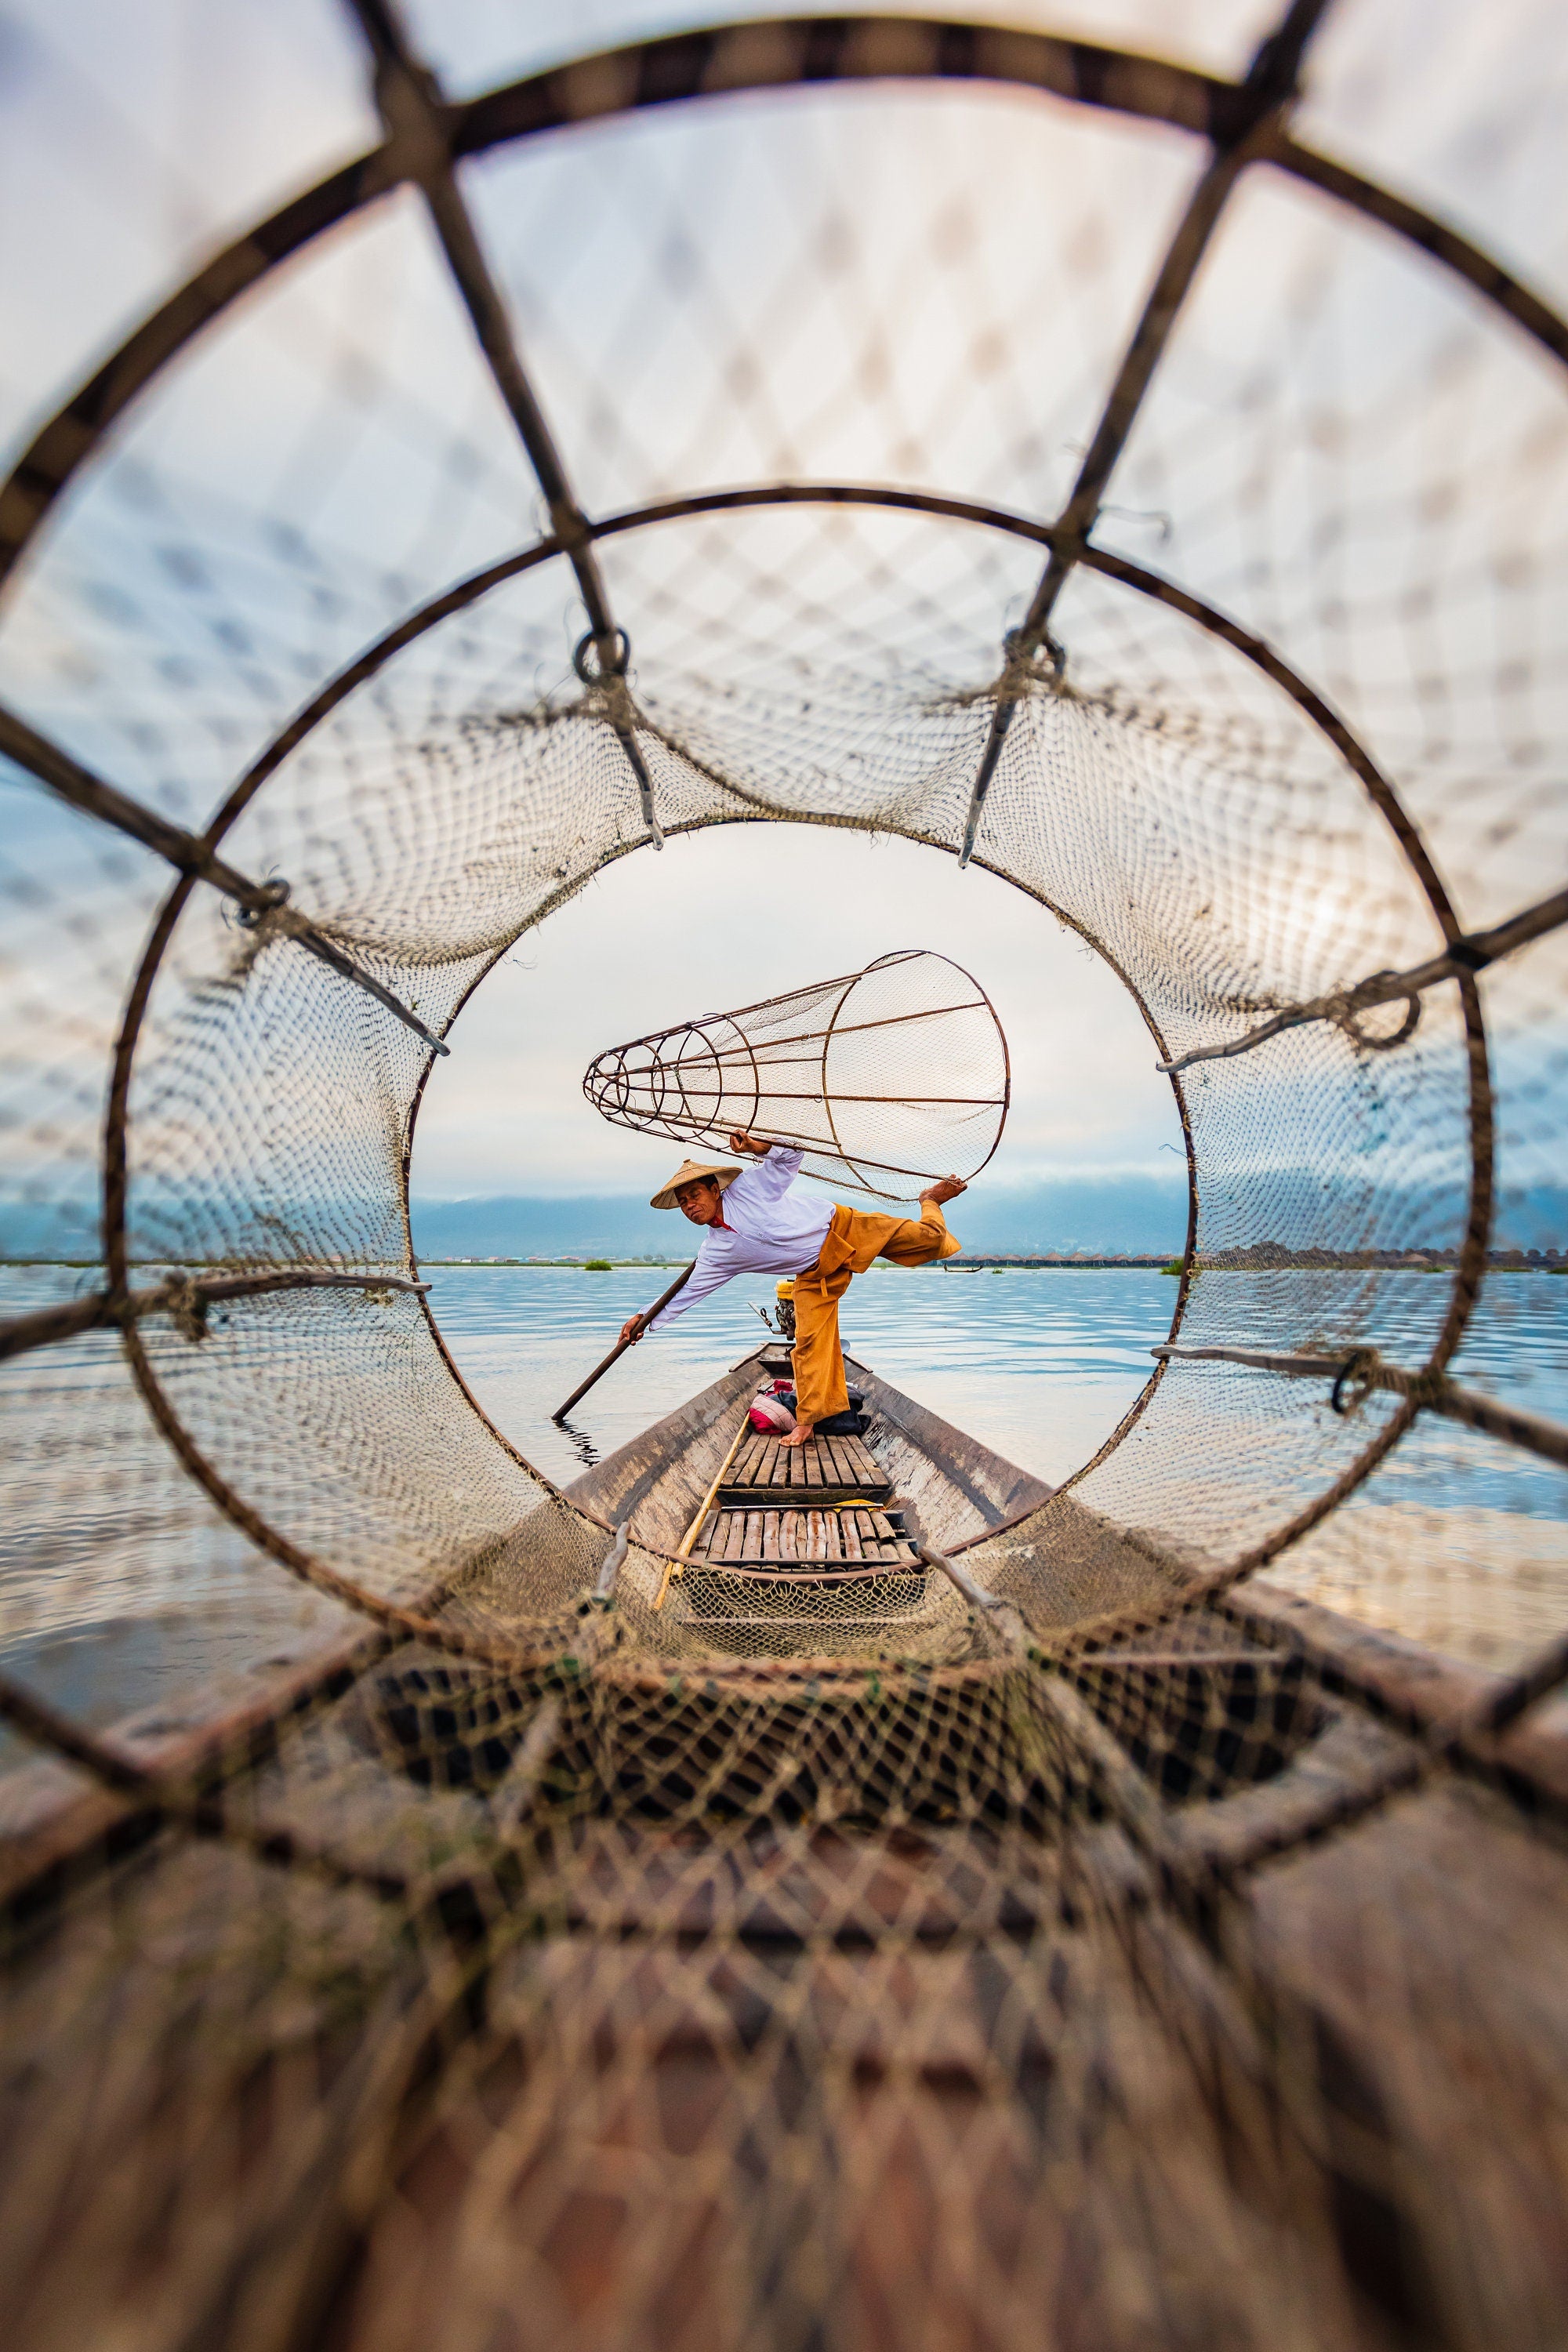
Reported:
(921, 1241)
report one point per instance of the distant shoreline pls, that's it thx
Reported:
(1266, 1258)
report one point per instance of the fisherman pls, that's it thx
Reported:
(758, 1222)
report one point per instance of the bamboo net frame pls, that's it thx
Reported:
(905, 1057)
(1102, 1946)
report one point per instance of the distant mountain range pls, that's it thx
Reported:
(1116, 1214)
(1122, 1215)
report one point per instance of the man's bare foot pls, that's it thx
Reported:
(948, 1189)
(798, 1435)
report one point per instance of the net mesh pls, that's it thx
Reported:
(428, 1917)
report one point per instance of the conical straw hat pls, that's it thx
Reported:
(687, 1173)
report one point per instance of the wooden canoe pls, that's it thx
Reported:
(942, 1489)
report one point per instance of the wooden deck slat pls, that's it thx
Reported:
(806, 1569)
(787, 1498)
(827, 1470)
(804, 1538)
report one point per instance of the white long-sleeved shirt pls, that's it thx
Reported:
(768, 1228)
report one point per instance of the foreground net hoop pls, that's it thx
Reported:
(866, 1073)
(848, 1956)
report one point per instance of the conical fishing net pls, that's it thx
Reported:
(441, 465)
(886, 1079)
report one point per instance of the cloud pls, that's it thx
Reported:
(733, 914)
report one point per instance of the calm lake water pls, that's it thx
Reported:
(121, 1585)
(1040, 1365)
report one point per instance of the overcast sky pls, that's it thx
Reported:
(131, 141)
(722, 918)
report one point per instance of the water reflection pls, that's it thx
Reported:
(581, 1445)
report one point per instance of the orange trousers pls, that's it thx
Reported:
(855, 1237)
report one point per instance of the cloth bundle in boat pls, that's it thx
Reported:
(886, 1078)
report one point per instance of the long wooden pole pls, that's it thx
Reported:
(621, 1345)
(675, 1564)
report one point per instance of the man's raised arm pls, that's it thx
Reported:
(777, 1166)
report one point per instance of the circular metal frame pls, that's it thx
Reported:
(1377, 787)
(709, 64)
